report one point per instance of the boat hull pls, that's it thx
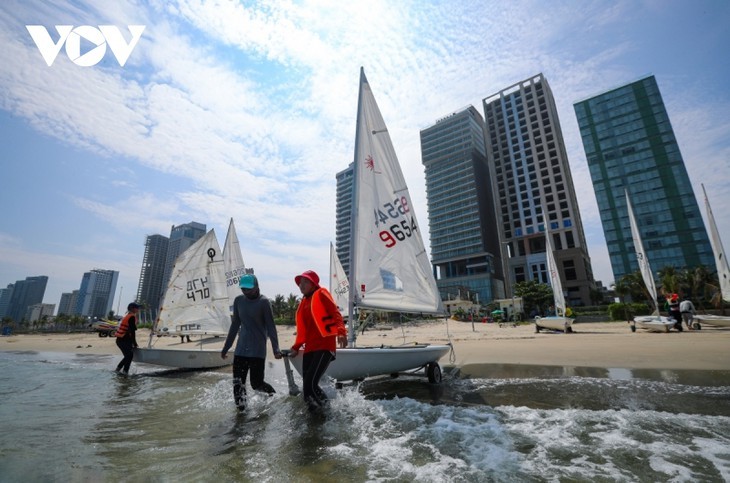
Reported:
(554, 323)
(716, 320)
(654, 323)
(352, 364)
(181, 359)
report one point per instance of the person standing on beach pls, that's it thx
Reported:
(674, 312)
(252, 322)
(687, 309)
(320, 329)
(126, 339)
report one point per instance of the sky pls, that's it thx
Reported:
(246, 110)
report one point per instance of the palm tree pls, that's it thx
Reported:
(291, 305)
(669, 280)
(279, 306)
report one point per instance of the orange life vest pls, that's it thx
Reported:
(124, 325)
(329, 324)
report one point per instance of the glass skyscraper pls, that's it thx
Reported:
(150, 287)
(464, 244)
(630, 145)
(534, 187)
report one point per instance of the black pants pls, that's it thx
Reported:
(241, 367)
(127, 348)
(314, 365)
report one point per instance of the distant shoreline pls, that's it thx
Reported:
(594, 344)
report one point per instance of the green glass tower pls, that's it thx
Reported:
(630, 145)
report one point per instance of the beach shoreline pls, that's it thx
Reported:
(594, 344)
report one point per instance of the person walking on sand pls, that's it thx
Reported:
(252, 322)
(687, 309)
(320, 329)
(126, 338)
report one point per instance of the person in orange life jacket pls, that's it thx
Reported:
(126, 340)
(674, 312)
(252, 322)
(320, 329)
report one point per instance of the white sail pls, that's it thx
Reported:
(233, 263)
(552, 267)
(339, 285)
(644, 268)
(196, 299)
(389, 266)
(723, 271)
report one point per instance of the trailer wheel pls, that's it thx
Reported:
(433, 371)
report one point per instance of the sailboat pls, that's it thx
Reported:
(559, 321)
(653, 322)
(232, 264)
(339, 285)
(389, 266)
(196, 303)
(723, 271)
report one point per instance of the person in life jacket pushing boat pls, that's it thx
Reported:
(320, 329)
(126, 340)
(252, 322)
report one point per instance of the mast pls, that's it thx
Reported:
(351, 335)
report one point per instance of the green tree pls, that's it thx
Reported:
(291, 306)
(535, 295)
(279, 306)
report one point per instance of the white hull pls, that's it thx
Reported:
(357, 363)
(554, 323)
(182, 358)
(654, 323)
(717, 320)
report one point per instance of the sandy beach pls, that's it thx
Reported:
(601, 344)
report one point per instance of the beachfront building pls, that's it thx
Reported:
(343, 216)
(96, 293)
(465, 249)
(39, 312)
(5, 295)
(151, 276)
(182, 237)
(630, 146)
(25, 293)
(67, 304)
(534, 189)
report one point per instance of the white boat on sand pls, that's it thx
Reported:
(388, 262)
(196, 302)
(723, 271)
(653, 322)
(559, 321)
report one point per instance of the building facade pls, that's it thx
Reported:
(24, 294)
(96, 293)
(535, 190)
(343, 216)
(465, 248)
(151, 277)
(182, 237)
(5, 295)
(65, 305)
(630, 146)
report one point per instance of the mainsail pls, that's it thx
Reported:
(644, 268)
(339, 285)
(552, 267)
(389, 266)
(723, 271)
(233, 263)
(196, 300)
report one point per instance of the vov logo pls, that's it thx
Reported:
(71, 38)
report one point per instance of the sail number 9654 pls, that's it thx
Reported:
(399, 230)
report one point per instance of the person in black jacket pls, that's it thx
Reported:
(126, 340)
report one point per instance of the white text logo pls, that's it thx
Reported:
(71, 38)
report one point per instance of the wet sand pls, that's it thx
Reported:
(600, 344)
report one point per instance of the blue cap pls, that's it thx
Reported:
(248, 281)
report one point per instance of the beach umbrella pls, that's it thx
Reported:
(497, 312)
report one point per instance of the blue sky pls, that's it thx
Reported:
(247, 110)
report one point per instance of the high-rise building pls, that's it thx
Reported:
(24, 294)
(64, 305)
(630, 145)
(38, 312)
(534, 189)
(5, 295)
(96, 294)
(181, 238)
(150, 287)
(465, 248)
(343, 216)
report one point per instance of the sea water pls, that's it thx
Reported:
(66, 417)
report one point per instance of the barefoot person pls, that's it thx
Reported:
(126, 340)
(320, 329)
(253, 322)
